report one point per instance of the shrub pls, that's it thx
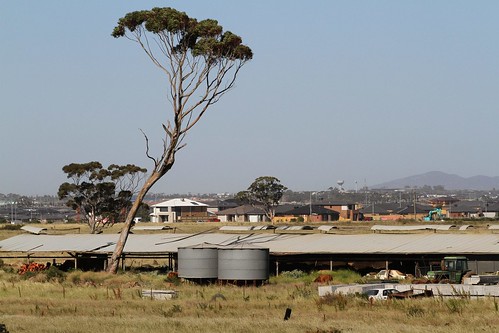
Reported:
(55, 274)
(346, 276)
(12, 227)
(455, 305)
(339, 301)
(415, 311)
(301, 291)
(294, 274)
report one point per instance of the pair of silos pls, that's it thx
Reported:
(229, 263)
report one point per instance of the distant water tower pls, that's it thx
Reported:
(340, 184)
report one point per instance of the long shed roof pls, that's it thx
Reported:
(279, 244)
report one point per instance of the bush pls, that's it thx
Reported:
(415, 311)
(55, 274)
(346, 276)
(339, 301)
(294, 274)
(456, 305)
(12, 227)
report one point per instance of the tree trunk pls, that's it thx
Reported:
(92, 223)
(120, 245)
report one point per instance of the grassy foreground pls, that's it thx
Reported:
(87, 301)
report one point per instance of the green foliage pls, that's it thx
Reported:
(415, 311)
(291, 277)
(302, 291)
(265, 191)
(456, 305)
(12, 227)
(205, 38)
(345, 276)
(102, 194)
(338, 301)
(55, 274)
(294, 274)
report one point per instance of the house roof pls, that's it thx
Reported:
(442, 200)
(466, 206)
(179, 202)
(283, 209)
(221, 204)
(305, 210)
(242, 210)
(382, 208)
(334, 203)
(411, 209)
(492, 207)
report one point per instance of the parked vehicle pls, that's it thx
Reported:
(452, 271)
(380, 294)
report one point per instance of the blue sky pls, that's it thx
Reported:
(365, 91)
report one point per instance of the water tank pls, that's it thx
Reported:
(243, 262)
(198, 262)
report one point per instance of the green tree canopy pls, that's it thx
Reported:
(100, 195)
(265, 192)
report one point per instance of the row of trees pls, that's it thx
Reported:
(104, 195)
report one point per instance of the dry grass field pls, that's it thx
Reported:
(52, 301)
(88, 302)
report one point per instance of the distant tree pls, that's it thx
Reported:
(100, 195)
(265, 192)
(201, 63)
(24, 202)
(439, 188)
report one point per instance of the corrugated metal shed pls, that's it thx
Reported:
(277, 243)
(412, 227)
(326, 228)
(235, 228)
(152, 228)
(34, 230)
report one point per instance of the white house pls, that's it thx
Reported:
(178, 210)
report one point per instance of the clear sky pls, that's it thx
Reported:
(365, 91)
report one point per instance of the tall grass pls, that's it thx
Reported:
(87, 301)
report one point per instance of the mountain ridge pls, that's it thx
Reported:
(448, 181)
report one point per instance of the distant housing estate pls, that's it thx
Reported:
(181, 210)
(186, 210)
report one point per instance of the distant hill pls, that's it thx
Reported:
(448, 181)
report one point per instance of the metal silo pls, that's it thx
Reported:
(198, 262)
(243, 263)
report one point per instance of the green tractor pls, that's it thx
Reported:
(452, 270)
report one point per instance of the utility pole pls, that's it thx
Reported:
(414, 192)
